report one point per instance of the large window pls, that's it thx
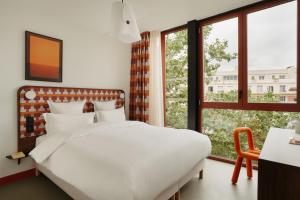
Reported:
(249, 73)
(175, 69)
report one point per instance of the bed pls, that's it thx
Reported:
(125, 160)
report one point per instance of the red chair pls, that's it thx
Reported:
(251, 154)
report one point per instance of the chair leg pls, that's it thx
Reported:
(249, 168)
(237, 169)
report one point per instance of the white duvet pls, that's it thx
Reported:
(122, 161)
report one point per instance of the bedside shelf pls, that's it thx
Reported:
(18, 159)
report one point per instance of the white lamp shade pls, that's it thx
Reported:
(123, 23)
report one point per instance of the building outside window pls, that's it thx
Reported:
(282, 77)
(261, 78)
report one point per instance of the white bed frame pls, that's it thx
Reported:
(172, 192)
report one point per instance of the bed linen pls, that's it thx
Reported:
(126, 160)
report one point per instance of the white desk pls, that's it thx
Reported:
(279, 167)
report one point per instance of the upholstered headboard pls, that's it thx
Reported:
(36, 107)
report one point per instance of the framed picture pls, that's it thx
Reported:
(43, 58)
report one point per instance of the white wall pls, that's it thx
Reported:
(89, 60)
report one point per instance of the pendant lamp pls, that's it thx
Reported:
(123, 23)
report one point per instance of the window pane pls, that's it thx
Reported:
(220, 50)
(272, 55)
(219, 124)
(176, 79)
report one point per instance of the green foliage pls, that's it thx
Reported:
(231, 96)
(219, 124)
(176, 79)
(268, 97)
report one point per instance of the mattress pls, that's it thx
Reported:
(129, 160)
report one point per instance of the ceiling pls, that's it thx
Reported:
(151, 14)
(164, 14)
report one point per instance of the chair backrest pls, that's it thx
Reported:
(236, 138)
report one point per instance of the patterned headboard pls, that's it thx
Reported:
(36, 107)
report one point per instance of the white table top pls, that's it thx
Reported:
(277, 148)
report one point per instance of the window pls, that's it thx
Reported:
(175, 84)
(221, 59)
(282, 88)
(270, 89)
(282, 98)
(252, 53)
(282, 77)
(230, 77)
(256, 59)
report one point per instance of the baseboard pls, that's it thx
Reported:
(17, 176)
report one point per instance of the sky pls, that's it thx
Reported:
(271, 37)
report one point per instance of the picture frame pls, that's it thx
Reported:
(43, 58)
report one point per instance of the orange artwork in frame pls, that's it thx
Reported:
(43, 58)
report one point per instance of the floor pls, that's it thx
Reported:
(215, 185)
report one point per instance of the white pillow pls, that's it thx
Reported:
(115, 115)
(105, 105)
(66, 108)
(63, 123)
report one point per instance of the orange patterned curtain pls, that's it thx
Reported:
(139, 80)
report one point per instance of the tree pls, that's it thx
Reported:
(176, 79)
